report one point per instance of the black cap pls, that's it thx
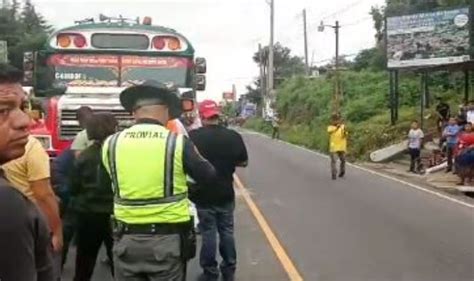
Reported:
(149, 93)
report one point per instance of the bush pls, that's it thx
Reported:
(305, 107)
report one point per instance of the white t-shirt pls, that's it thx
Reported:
(470, 116)
(414, 138)
(81, 141)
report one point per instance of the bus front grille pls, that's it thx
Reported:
(69, 126)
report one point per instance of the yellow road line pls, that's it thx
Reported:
(277, 247)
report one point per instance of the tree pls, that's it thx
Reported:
(25, 31)
(32, 21)
(254, 94)
(373, 59)
(378, 16)
(14, 9)
(286, 65)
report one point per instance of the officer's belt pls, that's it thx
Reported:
(153, 228)
(151, 201)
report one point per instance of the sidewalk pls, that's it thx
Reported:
(439, 180)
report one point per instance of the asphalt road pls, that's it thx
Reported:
(364, 227)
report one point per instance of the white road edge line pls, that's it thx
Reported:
(435, 193)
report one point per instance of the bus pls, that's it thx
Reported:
(90, 63)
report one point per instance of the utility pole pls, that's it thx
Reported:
(337, 90)
(270, 53)
(337, 97)
(305, 42)
(263, 83)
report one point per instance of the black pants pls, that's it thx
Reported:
(450, 154)
(68, 217)
(415, 160)
(93, 229)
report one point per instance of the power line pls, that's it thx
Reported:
(330, 59)
(357, 22)
(336, 13)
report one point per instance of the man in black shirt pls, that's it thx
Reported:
(25, 243)
(444, 113)
(225, 150)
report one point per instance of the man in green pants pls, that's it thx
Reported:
(337, 145)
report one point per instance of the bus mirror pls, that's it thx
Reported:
(28, 68)
(200, 82)
(201, 65)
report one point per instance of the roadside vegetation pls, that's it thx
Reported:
(304, 104)
(304, 107)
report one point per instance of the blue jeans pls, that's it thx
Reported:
(213, 220)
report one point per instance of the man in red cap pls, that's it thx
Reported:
(225, 149)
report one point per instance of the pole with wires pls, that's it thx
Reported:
(270, 53)
(305, 42)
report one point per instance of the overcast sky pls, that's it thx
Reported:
(227, 32)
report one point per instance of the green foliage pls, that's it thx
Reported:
(370, 59)
(286, 65)
(304, 106)
(230, 109)
(25, 31)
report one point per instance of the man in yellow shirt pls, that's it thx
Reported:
(337, 145)
(30, 174)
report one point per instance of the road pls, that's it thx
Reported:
(364, 227)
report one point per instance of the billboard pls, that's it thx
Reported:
(428, 39)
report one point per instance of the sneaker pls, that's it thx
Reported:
(334, 177)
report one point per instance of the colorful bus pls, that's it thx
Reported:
(90, 63)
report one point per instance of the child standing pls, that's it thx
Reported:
(415, 142)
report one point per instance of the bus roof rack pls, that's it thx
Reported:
(84, 21)
(118, 19)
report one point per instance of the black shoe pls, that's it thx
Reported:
(342, 174)
(334, 177)
(448, 170)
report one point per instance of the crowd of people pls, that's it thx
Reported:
(456, 140)
(129, 190)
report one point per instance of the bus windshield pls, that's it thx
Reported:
(112, 70)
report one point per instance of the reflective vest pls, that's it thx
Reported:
(145, 163)
(177, 127)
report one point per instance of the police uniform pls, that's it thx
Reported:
(148, 166)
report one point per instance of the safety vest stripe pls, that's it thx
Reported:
(111, 155)
(153, 201)
(169, 165)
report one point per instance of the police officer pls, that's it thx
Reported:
(148, 166)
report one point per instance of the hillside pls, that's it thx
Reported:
(304, 107)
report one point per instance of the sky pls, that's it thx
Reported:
(227, 32)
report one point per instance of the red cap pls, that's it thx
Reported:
(208, 109)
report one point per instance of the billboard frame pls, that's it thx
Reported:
(458, 65)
